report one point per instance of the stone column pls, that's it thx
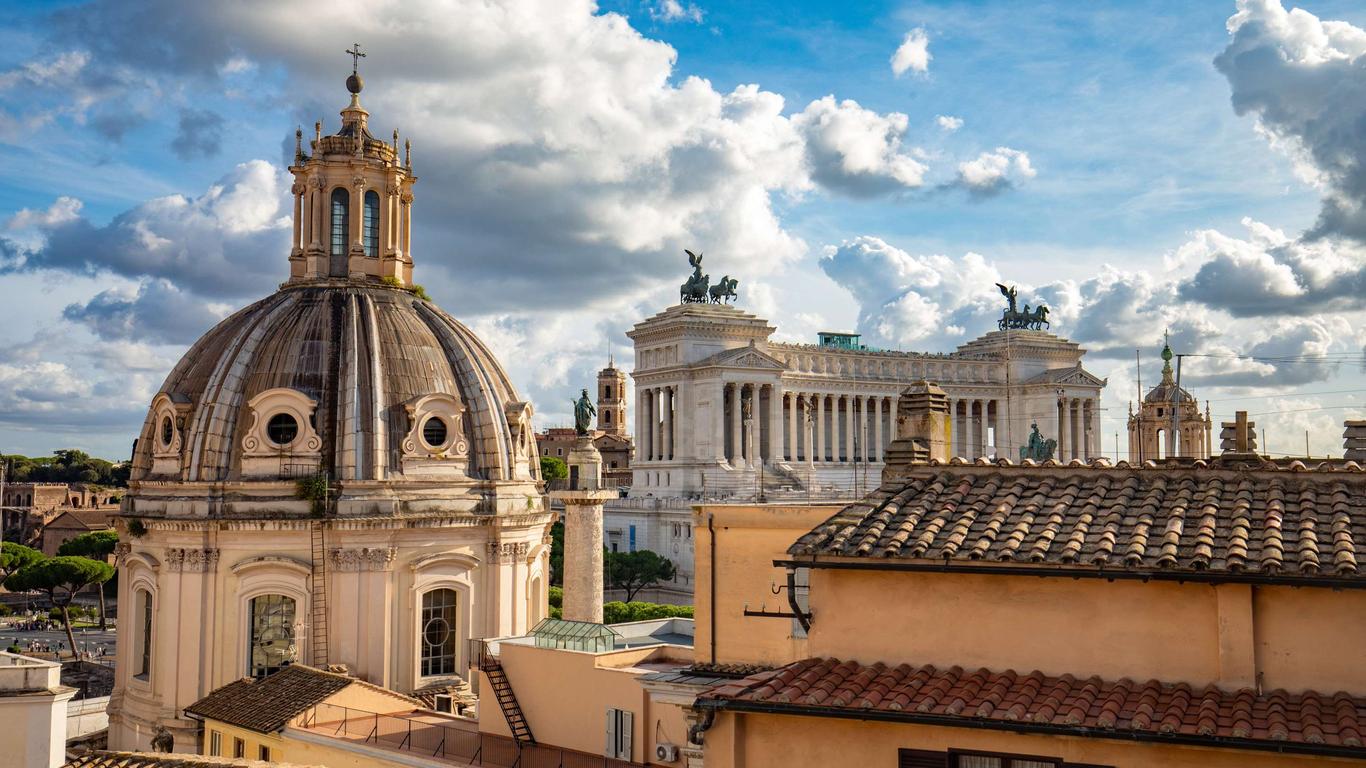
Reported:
(737, 443)
(316, 220)
(982, 427)
(1086, 429)
(583, 533)
(775, 424)
(877, 429)
(406, 224)
(657, 421)
(749, 422)
(849, 427)
(820, 427)
(640, 424)
(718, 425)
(1063, 430)
(891, 424)
(1075, 419)
(667, 402)
(296, 245)
(357, 212)
(809, 430)
(791, 453)
(953, 427)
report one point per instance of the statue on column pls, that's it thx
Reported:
(583, 414)
(747, 419)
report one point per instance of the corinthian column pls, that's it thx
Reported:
(820, 427)
(668, 422)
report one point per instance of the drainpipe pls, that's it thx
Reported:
(802, 618)
(711, 603)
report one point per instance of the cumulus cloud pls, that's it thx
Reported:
(198, 134)
(913, 55)
(1304, 79)
(230, 241)
(673, 10)
(855, 150)
(157, 312)
(948, 123)
(992, 172)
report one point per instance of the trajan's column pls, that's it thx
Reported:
(583, 521)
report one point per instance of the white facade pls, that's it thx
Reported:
(33, 705)
(722, 411)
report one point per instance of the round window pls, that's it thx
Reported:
(167, 431)
(434, 432)
(282, 429)
(436, 631)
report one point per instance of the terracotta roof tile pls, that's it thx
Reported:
(1104, 708)
(167, 760)
(268, 704)
(1266, 521)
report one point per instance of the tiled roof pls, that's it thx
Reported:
(267, 704)
(167, 760)
(1268, 521)
(1307, 722)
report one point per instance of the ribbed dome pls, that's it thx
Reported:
(369, 361)
(1162, 393)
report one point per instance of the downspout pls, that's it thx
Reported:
(711, 565)
(802, 618)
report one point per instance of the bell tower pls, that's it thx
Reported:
(612, 399)
(353, 201)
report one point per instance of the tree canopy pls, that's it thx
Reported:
(96, 545)
(60, 578)
(15, 557)
(634, 571)
(66, 466)
(553, 468)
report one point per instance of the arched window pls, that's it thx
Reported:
(144, 638)
(371, 224)
(606, 417)
(271, 645)
(438, 632)
(341, 220)
(607, 392)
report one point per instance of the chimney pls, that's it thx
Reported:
(1354, 441)
(922, 427)
(1238, 437)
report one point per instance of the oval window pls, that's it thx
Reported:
(434, 432)
(282, 429)
(167, 431)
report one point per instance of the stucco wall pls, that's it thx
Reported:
(565, 695)
(1295, 638)
(819, 742)
(748, 539)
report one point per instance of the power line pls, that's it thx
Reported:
(1286, 394)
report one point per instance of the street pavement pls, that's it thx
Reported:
(86, 639)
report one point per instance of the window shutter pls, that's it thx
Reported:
(920, 758)
(625, 741)
(610, 749)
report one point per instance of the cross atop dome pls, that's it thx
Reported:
(354, 83)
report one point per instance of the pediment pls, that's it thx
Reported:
(746, 357)
(1083, 377)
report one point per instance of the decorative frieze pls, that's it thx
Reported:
(362, 559)
(508, 551)
(191, 560)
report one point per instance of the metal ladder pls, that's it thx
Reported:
(507, 700)
(319, 617)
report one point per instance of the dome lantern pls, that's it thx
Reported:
(352, 202)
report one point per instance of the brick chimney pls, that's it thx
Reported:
(1354, 441)
(922, 428)
(1238, 438)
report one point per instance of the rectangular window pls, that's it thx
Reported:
(992, 760)
(239, 748)
(619, 734)
(631, 543)
(145, 640)
(215, 744)
(264, 753)
(438, 632)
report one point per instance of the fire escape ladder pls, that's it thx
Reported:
(507, 700)
(319, 617)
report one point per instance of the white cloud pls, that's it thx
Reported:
(948, 123)
(913, 55)
(856, 150)
(673, 10)
(991, 172)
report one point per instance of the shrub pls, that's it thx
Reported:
(556, 597)
(617, 612)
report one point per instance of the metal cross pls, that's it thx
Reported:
(356, 56)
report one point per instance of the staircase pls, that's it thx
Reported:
(507, 700)
(319, 617)
(779, 477)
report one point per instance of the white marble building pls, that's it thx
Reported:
(721, 410)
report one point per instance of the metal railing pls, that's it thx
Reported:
(446, 742)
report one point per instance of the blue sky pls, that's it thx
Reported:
(1100, 163)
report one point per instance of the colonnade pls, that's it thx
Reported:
(1076, 428)
(834, 428)
(656, 438)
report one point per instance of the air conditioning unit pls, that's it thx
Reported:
(443, 702)
(666, 753)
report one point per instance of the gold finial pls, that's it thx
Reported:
(408, 153)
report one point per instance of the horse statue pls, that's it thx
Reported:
(725, 289)
(1039, 448)
(695, 290)
(1026, 319)
(1038, 319)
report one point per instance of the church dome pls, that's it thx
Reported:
(345, 372)
(362, 382)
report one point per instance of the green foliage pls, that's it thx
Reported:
(391, 281)
(313, 489)
(553, 468)
(420, 292)
(58, 575)
(137, 528)
(617, 612)
(556, 613)
(67, 466)
(96, 545)
(634, 571)
(15, 557)
(5, 610)
(557, 555)
(556, 597)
